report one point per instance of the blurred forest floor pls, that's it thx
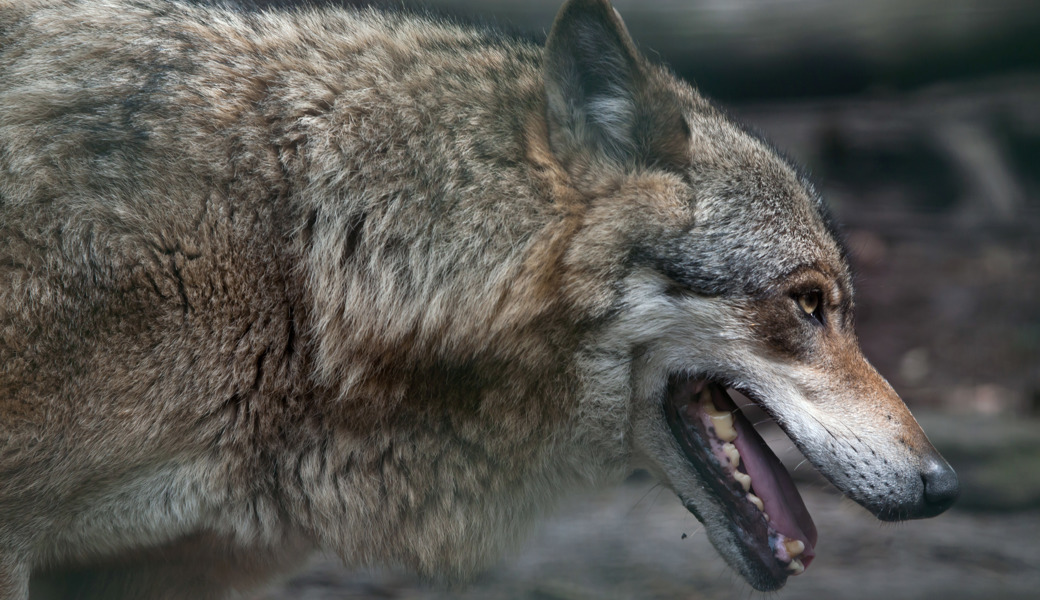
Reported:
(939, 193)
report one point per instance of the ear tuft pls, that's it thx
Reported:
(597, 92)
(590, 73)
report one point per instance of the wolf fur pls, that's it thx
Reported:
(383, 285)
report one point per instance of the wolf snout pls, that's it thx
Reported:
(941, 487)
(935, 492)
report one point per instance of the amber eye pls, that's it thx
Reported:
(810, 303)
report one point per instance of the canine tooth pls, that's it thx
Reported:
(721, 420)
(796, 567)
(794, 547)
(745, 482)
(732, 454)
(756, 501)
(724, 427)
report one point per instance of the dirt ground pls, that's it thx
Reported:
(940, 193)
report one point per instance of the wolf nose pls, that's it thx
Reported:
(940, 486)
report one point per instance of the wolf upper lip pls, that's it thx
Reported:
(766, 511)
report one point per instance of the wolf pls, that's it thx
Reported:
(386, 285)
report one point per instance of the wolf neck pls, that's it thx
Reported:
(392, 202)
(431, 309)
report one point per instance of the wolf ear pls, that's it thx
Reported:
(601, 102)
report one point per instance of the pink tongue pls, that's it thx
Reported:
(770, 481)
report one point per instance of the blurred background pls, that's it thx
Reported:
(920, 122)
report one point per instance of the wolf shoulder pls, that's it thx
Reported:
(134, 135)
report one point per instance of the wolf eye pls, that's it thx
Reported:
(811, 304)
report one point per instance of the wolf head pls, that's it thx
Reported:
(733, 277)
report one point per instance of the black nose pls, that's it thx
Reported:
(940, 486)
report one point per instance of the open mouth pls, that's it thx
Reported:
(766, 513)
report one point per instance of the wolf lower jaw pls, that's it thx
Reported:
(768, 526)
